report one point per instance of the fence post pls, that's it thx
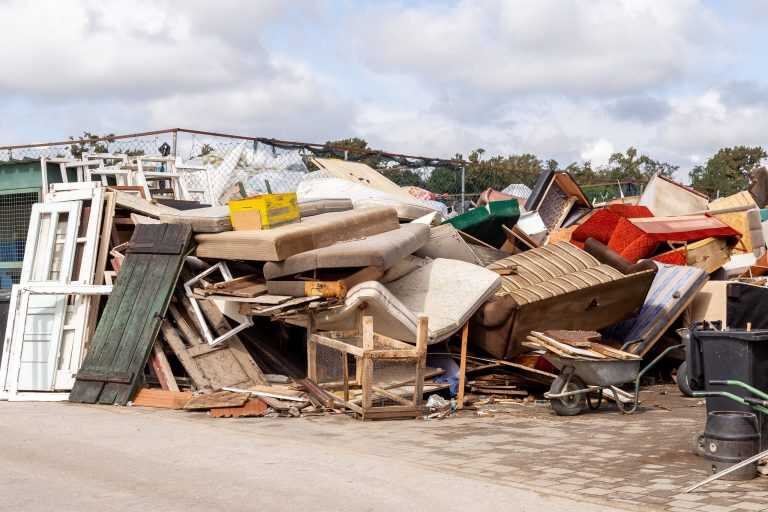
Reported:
(462, 189)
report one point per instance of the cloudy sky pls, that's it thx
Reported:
(570, 80)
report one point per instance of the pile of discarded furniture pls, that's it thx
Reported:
(155, 282)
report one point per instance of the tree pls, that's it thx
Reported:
(630, 166)
(498, 172)
(444, 180)
(728, 171)
(89, 143)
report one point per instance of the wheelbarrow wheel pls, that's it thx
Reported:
(568, 405)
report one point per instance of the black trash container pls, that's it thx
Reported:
(734, 354)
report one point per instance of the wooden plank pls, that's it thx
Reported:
(337, 345)
(253, 408)
(462, 366)
(162, 368)
(568, 349)
(216, 399)
(234, 344)
(148, 397)
(311, 350)
(422, 339)
(174, 341)
(366, 377)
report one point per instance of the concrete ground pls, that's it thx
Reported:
(102, 458)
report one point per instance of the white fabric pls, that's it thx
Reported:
(430, 289)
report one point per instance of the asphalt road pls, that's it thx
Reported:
(67, 457)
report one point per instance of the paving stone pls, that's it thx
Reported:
(596, 491)
(749, 505)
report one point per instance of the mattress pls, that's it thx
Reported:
(364, 196)
(672, 290)
(213, 219)
(382, 250)
(312, 207)
(285, 241)
(430, 289)
(446, 242)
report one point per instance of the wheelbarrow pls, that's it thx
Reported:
(570, 393)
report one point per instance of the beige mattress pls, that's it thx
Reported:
(285, 241)
(382, 251)
(213, 219)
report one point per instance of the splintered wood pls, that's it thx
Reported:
(253, 408)
(584, 350)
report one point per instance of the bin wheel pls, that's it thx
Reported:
(683, 383)
(697, 444)
(569, 405)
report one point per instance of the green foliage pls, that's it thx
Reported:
(500, 171)
(728, 171)
(444, 180)
(403, 177)
(630, 166)
(88, 143)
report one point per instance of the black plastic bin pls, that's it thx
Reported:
(735, 354)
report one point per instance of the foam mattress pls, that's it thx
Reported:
(309, 234)
(383, 250)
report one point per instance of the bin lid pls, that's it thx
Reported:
(738, 334)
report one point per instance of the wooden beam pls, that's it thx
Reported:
(463, 366)
(162, 369)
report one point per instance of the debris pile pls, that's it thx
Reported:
(159, 283)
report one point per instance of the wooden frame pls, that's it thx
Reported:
(367, 347)
(21, 303)
(245, 320)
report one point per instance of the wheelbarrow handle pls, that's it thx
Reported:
(738, 383)
(756, 404)
(756, 401)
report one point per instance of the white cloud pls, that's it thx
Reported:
(581, 47)
(569, 80)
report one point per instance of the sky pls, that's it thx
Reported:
(572, 80)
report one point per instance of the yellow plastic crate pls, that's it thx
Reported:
(265, 211)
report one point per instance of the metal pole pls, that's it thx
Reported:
(462, 188)
(174, 135)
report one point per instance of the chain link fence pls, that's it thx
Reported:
(257, 165)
